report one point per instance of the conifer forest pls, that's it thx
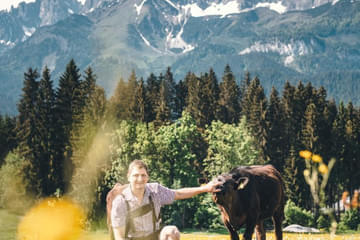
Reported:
(73, 140)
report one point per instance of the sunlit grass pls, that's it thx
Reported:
(102, 235)
(9, 223)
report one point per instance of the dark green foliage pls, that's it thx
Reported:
(181, 96)
(138, 107)
(169, 83)
(7, 136)
(296, 215)
(323, 222)
(68, 112)
(27, 132)
(350, 220)
(210, 96)
(274, 147)
(207, 215)
(229, 98)
(254, 109)
(55, 133)
(119, 102)
(195, 104)
(46, 128)
(152, 94)
(163, 108)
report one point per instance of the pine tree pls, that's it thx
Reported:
(256, 105)
(339, 138)
(195, 104)
(210, 96)
(27, 131)
(229, 105)
(163, 110)
(45, 122)
(171, 93)
(68, 112)
(118, 103)
(138, 108)
(293, 166)
(181, 96)
(88, 84)
(152, 95)
(7, 136)
(275, 131)
(351, 152)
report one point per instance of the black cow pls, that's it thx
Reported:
(249, 195)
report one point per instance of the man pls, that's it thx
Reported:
(135, 211)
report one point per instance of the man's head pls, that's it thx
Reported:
(138, 175)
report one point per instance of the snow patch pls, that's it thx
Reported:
(138, 8)
(232, 7)
(178, 42)
(289, 50)
(288, 60)
(28, 31)
(277, 7)
(172, 4)
(219, 9)
(334, 2)
(82, 1)
(7, 43)
(70, 11)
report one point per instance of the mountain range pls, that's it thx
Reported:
(279, 41)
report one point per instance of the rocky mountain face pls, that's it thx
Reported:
(309, 40)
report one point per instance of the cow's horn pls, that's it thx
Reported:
(243, 181)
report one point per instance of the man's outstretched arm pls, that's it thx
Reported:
(184, 193)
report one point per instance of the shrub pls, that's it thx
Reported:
(349, 220)
(12, 186)
(296, 215)
(207, 215)
(323, 222)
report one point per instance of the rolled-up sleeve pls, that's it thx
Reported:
(118, 212)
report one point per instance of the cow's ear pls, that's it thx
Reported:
(242, 182)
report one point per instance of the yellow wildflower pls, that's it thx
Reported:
(52, 219)
(323, 168)
(316, 158)
(306, 173)
(305, 154)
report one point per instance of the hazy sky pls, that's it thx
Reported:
(6, 4)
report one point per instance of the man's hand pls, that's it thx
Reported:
(211, 186)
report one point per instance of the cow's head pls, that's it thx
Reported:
(230, 185)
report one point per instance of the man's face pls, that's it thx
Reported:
(138, 177)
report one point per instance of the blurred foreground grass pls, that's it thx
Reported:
(9, 222)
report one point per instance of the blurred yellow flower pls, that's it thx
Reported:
(323, 168)
(305, 154)
(306, 173)
(316, 158)
(52, 219)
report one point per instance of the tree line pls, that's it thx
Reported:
(55, 127)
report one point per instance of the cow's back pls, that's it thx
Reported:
(268, 185)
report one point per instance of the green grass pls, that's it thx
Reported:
(10, 220)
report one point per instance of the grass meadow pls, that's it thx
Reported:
(9, 222)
